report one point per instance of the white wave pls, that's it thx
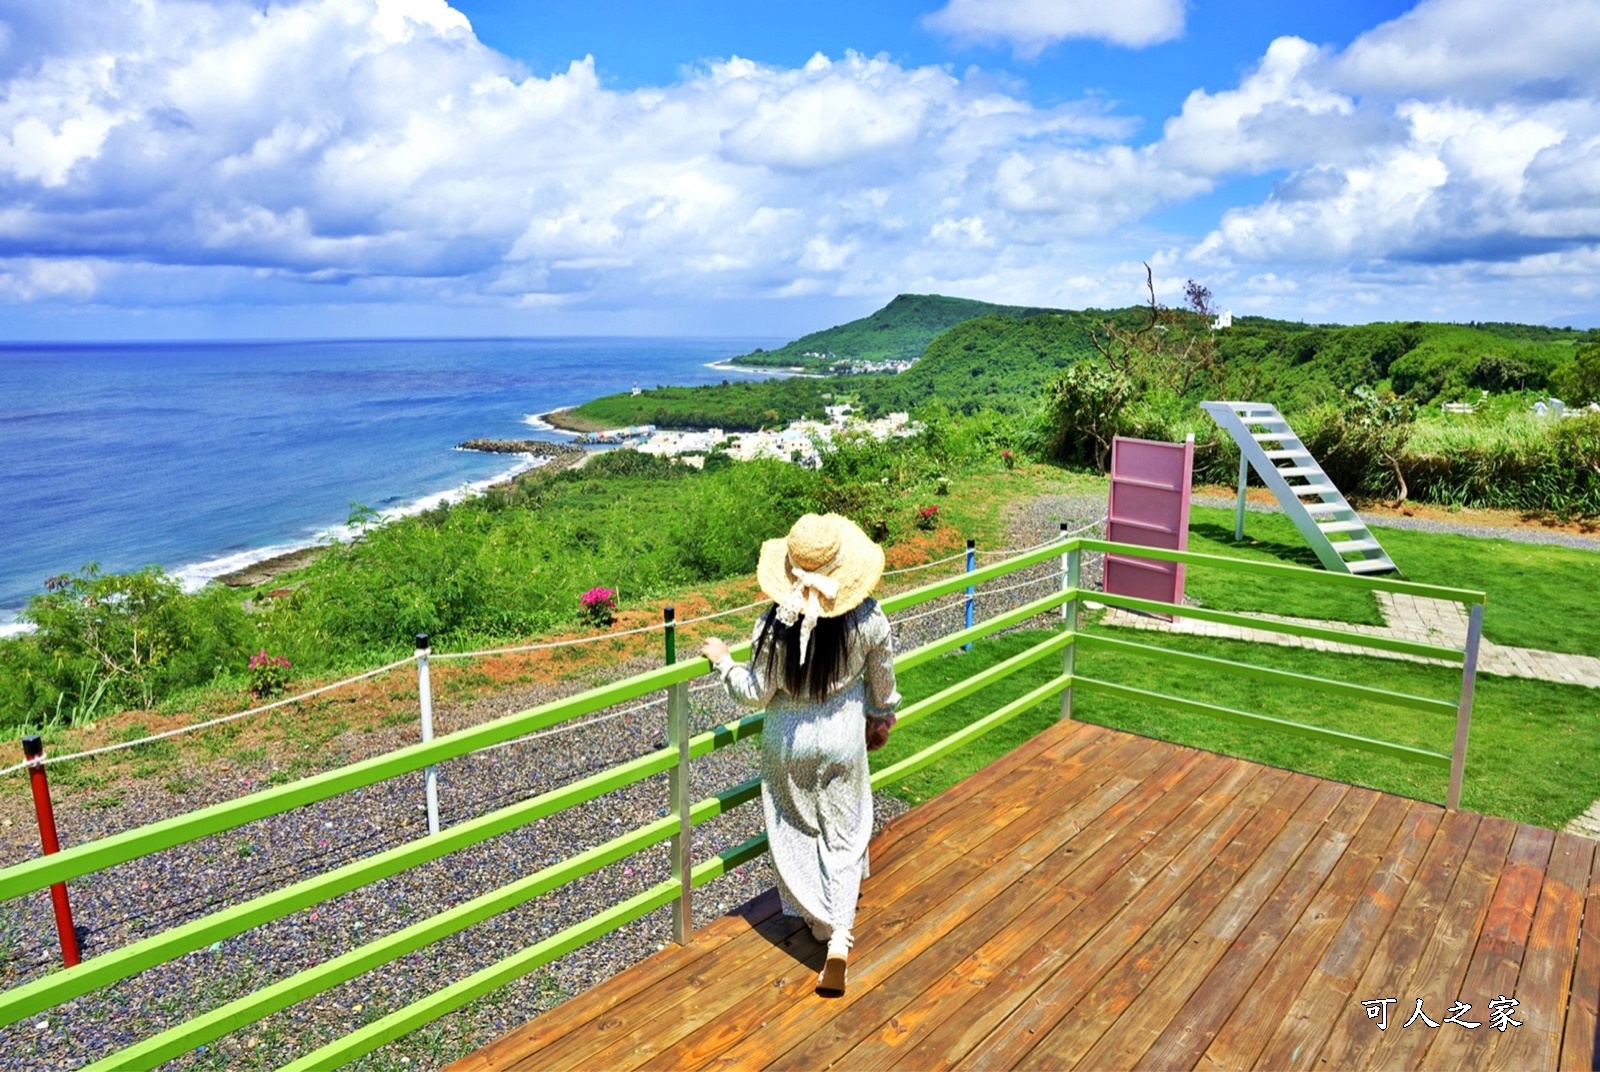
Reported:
(10, 627)
(537, 421)
(723, 366)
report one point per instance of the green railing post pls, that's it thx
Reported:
(1469, 677)
(430, 773)
(678, 795)
(1238, 518)
(1071, 568)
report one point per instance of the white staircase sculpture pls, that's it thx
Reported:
(1330, 525)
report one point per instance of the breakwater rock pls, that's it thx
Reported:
(536, 447)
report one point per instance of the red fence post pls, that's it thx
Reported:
(33, 752)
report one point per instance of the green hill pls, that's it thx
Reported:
(900, 331)
(1002, 357)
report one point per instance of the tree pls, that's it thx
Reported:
(1577, 380)
(1171, 348)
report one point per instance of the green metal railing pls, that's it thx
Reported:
(683, 814)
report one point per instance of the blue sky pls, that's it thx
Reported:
(179, 168)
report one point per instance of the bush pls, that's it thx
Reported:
(1360, 443)
(1577, 380)
(114, 640)
(269, 674)
(1084, 410)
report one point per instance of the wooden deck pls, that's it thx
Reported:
(1101, 900)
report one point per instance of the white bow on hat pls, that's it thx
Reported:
(803, 604)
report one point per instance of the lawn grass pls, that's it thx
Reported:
(1525, 760)
(1540, 596)
(930, 677)
(1268, 538)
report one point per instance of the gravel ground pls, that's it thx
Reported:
(144, 897)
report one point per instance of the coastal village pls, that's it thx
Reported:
(799, 441)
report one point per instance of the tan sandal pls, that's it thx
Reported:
(832, 978)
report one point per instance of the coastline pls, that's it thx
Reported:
(534, 454)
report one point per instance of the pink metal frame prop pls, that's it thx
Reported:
(1150, 507)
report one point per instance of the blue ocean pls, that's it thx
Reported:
(204, 457)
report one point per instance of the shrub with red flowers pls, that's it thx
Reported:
(269, 674)
(928, 518)
(599, 605)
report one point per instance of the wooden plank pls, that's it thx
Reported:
(596, 1045)
(1348, 1037)
(1544, 985)
(1005, 801)
(1241, 1037)
(1142, 954)
(1050, 745)
(1150, 1013)
(909, 1004)
(1497, 955)
(595, 1002)
(1580, 1042)
(886, 939)
(1196, 1024)
(1118, 748)
(1445, 957)
(1057, 852)
(1047, 982)
(893, 927)
(1301, 1031)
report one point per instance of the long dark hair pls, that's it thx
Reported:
(778, 648)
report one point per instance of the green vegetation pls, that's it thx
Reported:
(745, 406)
(508, 564)
(900, 331)
(930, 677)
(1529, 586)
(1268, 538)
(1525, 760)
(1337, 385)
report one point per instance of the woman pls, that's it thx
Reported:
(822, 665)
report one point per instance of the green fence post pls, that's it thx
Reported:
(678, 795)
(1469, 677)
(1071, 567)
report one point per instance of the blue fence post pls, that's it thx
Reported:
(972, 564)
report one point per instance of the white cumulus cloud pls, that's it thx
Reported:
(1031, 26)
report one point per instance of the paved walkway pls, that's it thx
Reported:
(1406, 617)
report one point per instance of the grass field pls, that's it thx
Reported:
(1540, 596)
(1527, 757)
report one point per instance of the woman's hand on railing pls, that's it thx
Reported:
(714, 649)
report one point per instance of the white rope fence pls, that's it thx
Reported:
(957, 557)
(515, 650)
(547, 646)
(120, 745)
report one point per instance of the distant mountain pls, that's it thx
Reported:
(895, 335)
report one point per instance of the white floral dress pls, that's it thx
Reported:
(815, 786)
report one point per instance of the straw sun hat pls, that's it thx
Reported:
(824, 568)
